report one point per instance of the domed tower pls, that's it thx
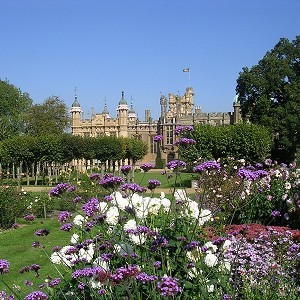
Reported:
(105, 111)
(132, 114)
(122, 117)
(76, 116)
(236, 110)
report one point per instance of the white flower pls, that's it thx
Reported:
(112, 215)
(180, 195)
(60, 257)
(226, 245)
(192, 209)
(210, 288)
(210, 259)
(103, 206)
(87, 254)
(119, 200)
(99, 262)
(194, 255)
(130, 224)
(166, 204)
(138, 239)
(287, 186)
(74, 238)
(211, 247)
(193, 272)
(162, 195)
(140, 205)
(225, 265)
(154, 205)
(204, 216)
(79, 220)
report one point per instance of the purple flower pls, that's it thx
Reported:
(153, 183)
(158, 138)
(181, 129)
(226, 297)
(176, 164)
(125, 169)
(41, 232)
(60, 188)
(207, 165)
(108, 198)
(157, 264)
(143, 277)
(96, 176)
(29, 217)
(146, 167)
(63, 216)
(185, 142)
(28, 283)
(15, 226)
(247, 174)
(36, 244)
(66, 227)
(276, 214)
(91, 207)
(106, 256)
(4, 266)
(109, 181)
(36, 295)
(168, 286)
(133, 187)
(77, 199)
(54, 282)
(35, 267)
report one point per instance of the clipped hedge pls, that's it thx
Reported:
(241, 141)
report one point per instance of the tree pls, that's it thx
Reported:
(13, 106)
(269, 94)
(50, 117)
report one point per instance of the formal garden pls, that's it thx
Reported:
(128, 232)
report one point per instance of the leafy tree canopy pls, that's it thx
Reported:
(50, 117)
(269, 94)
(14, 105)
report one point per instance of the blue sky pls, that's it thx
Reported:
(140, 47)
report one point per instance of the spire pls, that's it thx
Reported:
(75, 103)
(122, 103)
(105, 110)
(131, 112)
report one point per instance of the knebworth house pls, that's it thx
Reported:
(175, 111)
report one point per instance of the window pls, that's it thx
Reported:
(153, 145)
(169, 131)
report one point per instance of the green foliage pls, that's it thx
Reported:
(269, 94)
(241, 141)
(14, 105)
(12, 204)
(50, 117)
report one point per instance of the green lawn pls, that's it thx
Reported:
(16, 247)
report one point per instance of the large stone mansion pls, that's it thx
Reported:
(175, 110)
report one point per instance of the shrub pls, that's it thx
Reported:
(12, 204)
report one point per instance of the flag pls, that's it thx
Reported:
(186, 70)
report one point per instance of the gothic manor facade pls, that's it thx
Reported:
(175, 110)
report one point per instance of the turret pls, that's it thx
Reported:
(122, 117)
(131, 113)
(236, 110)
(76, 114)
(105, 111)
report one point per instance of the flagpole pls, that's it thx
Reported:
(189, 71)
